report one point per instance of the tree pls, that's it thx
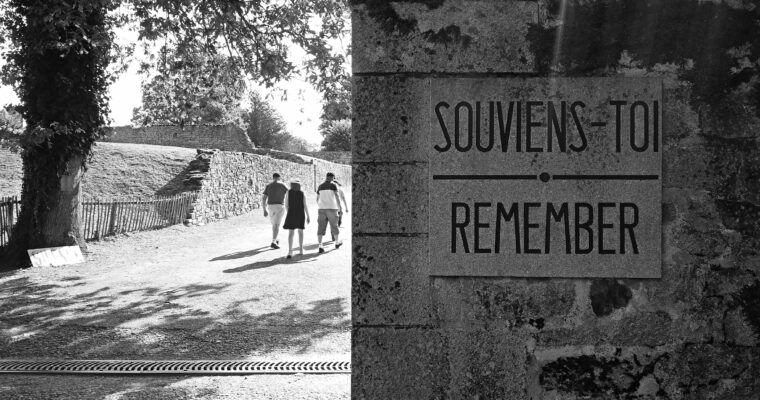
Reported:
(58, 67)
(298, 145)
(11, 123)
(336, 118)
(337, 104)
(267, 128)
(11, 128)
(190, 87)
(59, 55)
(337, 136)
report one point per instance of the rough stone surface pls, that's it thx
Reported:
(222, 137)
(390, 281)
(607, 295)
(386, 111)
(693, 333)
(442, 35)
(535, 304)
(379, 373)
(487, 364)
(394, 200)
(710, 371)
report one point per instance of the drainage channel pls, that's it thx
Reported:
(200, 367)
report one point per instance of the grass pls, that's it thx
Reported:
(116, 169)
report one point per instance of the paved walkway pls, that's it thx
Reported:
(210, 292)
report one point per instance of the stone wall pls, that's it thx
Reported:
(340, 157)
(222, 137)
(231, 183)
(692, 334)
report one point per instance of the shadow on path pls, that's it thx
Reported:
(283, 246)
(241, 254)
(43, 320)
(297, 259)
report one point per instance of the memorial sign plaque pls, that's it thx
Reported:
(545, 177)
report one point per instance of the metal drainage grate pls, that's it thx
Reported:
(201, 367)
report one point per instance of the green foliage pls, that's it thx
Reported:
(337, 136)
(11, 123)
(267, 128)
(258, 33)
(11, 128)
(190, 87)
(336, 118)
(336, 105)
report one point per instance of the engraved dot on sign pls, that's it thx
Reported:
(544, 177)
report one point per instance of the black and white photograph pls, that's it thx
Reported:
(371, 199)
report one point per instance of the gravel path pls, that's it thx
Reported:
(210, 292)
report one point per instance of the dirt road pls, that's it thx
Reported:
(210, 292)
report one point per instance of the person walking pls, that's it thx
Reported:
(274, 201)
(295, 203)
(342, 196)
(328, 207)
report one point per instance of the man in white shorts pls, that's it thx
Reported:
(328, 209)
(274, 206)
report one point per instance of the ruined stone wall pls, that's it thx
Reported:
(222, 137)
(340, 157)
(691, 334)
(231, 183)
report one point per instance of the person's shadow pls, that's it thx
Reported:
(241, 254)
(297, 259)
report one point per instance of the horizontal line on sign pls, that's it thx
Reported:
(607, 177)
(546, 177)
(600, 123)
(390, 234)
(484, 177)
(442, 74)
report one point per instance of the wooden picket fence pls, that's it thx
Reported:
(106, 218)
(103, 218)
(9, 208)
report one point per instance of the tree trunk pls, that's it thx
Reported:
(60, 221)
(50, 210)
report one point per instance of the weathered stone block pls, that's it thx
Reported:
(442, 35)
(596, 372)
(687, 167)
(388, 119)
(394, 198)
(488, 364)
(390, 281)
(399, 363)
(710, 372)
(503, 303)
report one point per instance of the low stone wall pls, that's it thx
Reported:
(231, 183)
(339, 157)
(222, 137)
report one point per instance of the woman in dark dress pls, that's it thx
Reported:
(295, 203)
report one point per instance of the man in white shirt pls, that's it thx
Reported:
(328, 209)
(273, 203)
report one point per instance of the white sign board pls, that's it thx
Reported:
(55, 256)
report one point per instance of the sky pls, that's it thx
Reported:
(297, 101)
(300, 109)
